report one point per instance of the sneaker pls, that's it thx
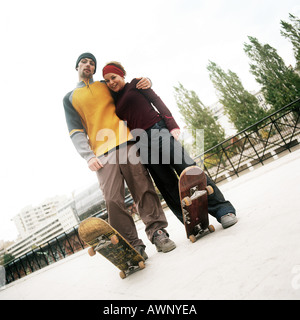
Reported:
(228, 220)
(162, 242)
(141, 251)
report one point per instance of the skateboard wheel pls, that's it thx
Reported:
(209, 190)
(211, 228)
(122, 275)
(142, 265)
(114, 239)
(186, 202)
(91, 251)
(192, 238)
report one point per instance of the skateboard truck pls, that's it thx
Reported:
(201, 232)
(103, 243)
(132, 269)
(128, 267)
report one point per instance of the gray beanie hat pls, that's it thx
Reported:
(86, 55)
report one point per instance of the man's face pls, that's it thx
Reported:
(86, 68)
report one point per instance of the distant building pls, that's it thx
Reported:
(54, 221)
(30, 218)
(222, 118)
(219, 112)
(261, 100)
(87, 199)
(38, 224)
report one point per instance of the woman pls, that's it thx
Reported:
(160, 150)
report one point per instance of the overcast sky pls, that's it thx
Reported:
(169, 41)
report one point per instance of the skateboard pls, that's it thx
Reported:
(193, 191)
(103, 238)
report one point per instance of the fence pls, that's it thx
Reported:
(56, 249)
(263, 141)
(52, 251)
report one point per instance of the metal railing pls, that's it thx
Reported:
(264, 140)
(52, 251)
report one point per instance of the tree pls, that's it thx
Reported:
(280, 84)
(198, 116)
(292, 32)
(241, 106)
(7, 258)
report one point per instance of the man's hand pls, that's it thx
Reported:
(95, 164)
(144, 83)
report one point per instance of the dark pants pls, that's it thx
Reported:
(165, 159)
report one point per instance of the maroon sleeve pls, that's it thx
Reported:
(161, 108)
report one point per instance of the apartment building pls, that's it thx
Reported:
(31, 217)
(59, 219)
(219, 113)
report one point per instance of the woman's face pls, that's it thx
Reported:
(114, 81)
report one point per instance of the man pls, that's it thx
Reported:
(103, 140)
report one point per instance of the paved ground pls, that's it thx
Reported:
(258, 258)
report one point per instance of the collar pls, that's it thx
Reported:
(82, 84)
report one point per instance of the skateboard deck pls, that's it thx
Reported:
(103, 238)
(193, 191)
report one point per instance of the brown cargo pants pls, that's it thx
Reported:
(124, 165)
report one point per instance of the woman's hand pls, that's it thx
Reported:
(175, 133)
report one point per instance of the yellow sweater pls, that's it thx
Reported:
(90, 108)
